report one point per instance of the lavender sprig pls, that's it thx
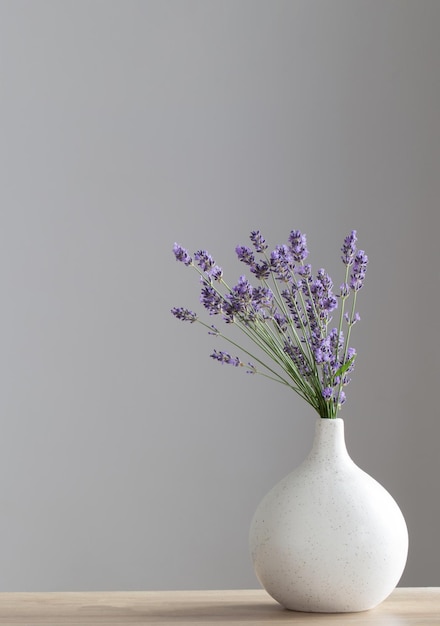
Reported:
(184, 314)
(290, 325)
(224, 357)
(182, 255)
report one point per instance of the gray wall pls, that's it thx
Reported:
(128, 459)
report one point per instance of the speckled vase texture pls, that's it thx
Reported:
(329, 538)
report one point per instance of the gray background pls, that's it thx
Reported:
(128, 458)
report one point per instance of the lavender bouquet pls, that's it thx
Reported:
(287, 315)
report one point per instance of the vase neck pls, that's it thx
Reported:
(329, 441)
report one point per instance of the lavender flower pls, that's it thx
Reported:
(296, 313)
(352, 320)
(239, 300)
(299, 359)
(327, 393)
(204, 260)
(298, 246)
(344, 290)
(321, 350)
(288, 325)
(280, 321)
(261, 270)
(262, 297)
(336, 342)
(258, 240)
(304, 270)
(216, 273)
(243, 290)
(181, 254)
(341, 398)
(245, 255)
(211, 300)
(282, 263)
(359, 270)
(321, 290)
(349, 248)
(224, 357)
(184, 314)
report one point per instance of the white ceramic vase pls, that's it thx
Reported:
(328, 537)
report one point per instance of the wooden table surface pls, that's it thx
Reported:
(417, 606)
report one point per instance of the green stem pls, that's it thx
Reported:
(350, 324)
(255, 358)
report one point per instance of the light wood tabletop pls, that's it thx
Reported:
(417, 606)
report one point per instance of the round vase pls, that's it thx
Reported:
(328, 537)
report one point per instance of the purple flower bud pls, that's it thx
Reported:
(356, 318)
(294, 319)
(351, 352)
(359, 270)
(243, 289)
(258, 240)
(296, 312)
(327, 393)
(281, 262)
(329, 303)
(262, 297)
(304, 270)
(344, 290)
(280, 321)
(245, 255)
(239, 300)
(298, 245)
(336, 341)
(211, 300)
(349, 248)
(204, 260)
(341, 398)
(224, 357)
(298, 357)
(181, 254)
(323, 299)
(216, 273)
(184, 314)
(261, 270)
